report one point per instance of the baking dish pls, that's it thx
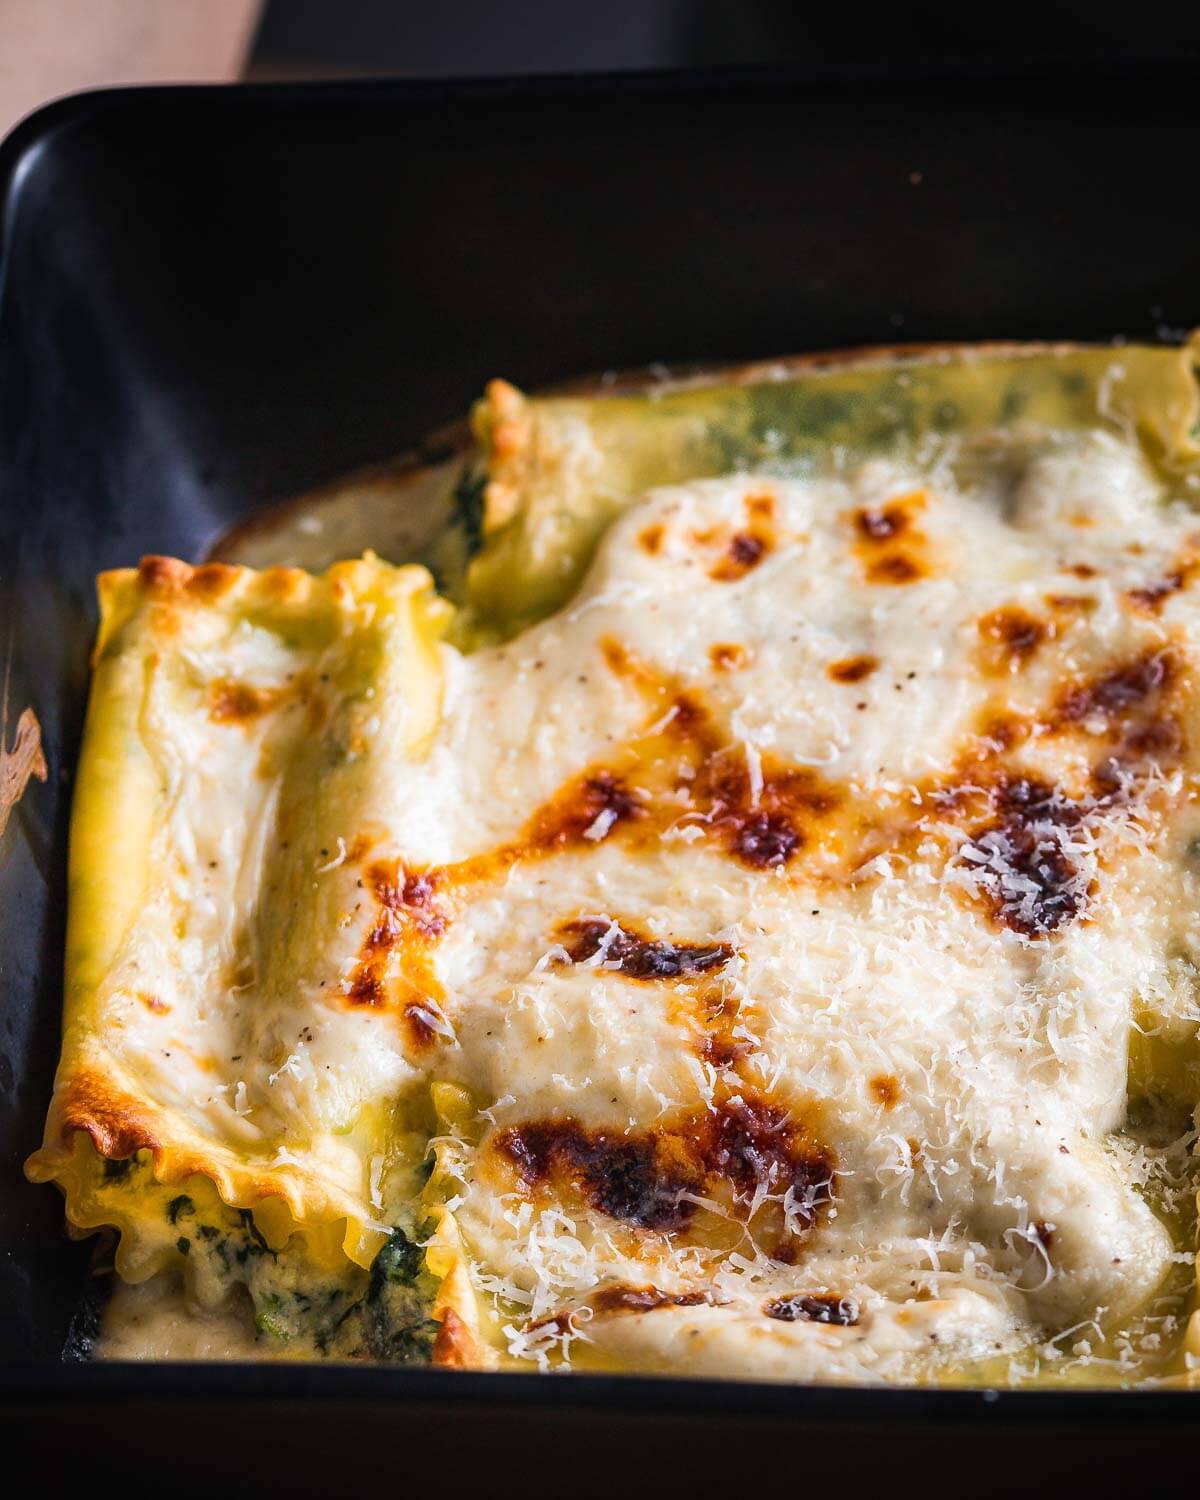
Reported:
(210, 300)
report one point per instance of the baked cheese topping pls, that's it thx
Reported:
(880, 852)
(784, 955)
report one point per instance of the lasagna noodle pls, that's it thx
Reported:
(558, 469)
(241, 731)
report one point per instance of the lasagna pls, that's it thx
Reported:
(742, 918)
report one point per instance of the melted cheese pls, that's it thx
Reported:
(970, 1078)
(756, 943)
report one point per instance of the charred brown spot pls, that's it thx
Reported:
(760, 508)
(1136, 711)
(1115, 694)
(727, 656)
(1045, 1233)
(561, 1323)
(366, 987)
(766, 840)
(752, 1143)
(454, 1346)
(888, 541)
(1001, 730)
(616, 657)
(769, 835)
(649, 1179)
(1027, 797)
(896, 568)
(238, 702)
(886, 1089)
(852, 668)
(716, 1012)
(814, 1307)
(639, 1299)
(1010, 637)
(411, 893)
(650, 538)
(630, 952)
(394, 965)
(1156, 739)
(723, 1052)
(585, 811)
(881, 525)
(687, 771)
(1021, 861)
(764, 826)
(359, 847)
(613, 1301)
(745, 551)
(1081, 604)
(1150, 596)
(1020, 852)
(406, 904)
(1083, 570)
(119, 1124)
(630, 1177)
(689, 718)
(1135, 707)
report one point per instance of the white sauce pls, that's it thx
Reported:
(987, 1210)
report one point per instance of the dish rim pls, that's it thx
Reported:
(30, 1380)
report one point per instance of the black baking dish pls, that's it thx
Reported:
(213, 298)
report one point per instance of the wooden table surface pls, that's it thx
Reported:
(53, 47)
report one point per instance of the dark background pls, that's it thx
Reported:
(471, 38)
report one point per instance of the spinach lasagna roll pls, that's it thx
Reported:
(752, 930)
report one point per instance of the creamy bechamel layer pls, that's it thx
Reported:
(780, 961)
(817, 1027)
